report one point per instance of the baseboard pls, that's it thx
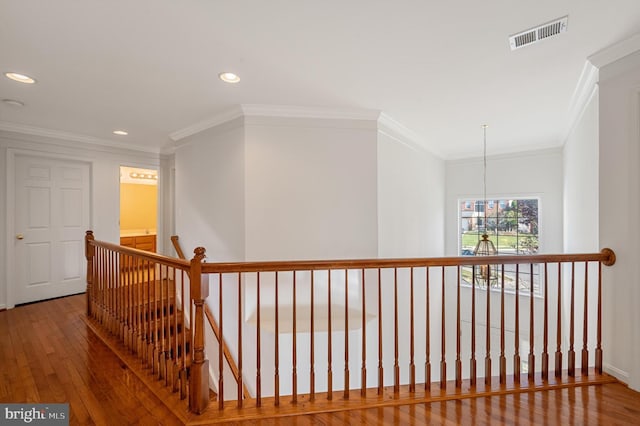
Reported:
(3, 308)
(621, 375)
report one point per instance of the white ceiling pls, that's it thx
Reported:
(439, 68)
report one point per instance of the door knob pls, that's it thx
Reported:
(19, 237)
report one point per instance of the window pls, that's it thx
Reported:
(512, 226)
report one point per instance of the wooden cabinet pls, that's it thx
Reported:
(140, 242)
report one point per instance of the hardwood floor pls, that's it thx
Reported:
(48, 354)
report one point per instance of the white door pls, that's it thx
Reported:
(52, 211)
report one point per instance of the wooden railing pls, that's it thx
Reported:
(175, 241)
(154, 306)
(413, 329)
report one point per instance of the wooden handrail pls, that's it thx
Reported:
(177, 247)
(606, 256)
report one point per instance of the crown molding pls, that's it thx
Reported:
(394, 129)
(279, 111)
(216, 120)
(293, 111)
(616, 51)
(586, 88)
(72, 137)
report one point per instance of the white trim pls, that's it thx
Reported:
(584, 92)
(397, 131)
(616, 372)
(10, 203)
(281, 111)
(293, 111)
(9, 217)
(507, 156)
(3, 307)
(208, 123)
(634, 380)
(68, 136)
(616, 51)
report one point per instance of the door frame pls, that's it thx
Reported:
(12, 153)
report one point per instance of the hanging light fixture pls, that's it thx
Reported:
(485, 274)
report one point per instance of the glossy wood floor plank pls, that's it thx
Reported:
(48, 354)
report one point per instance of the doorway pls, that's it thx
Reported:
(138, 208)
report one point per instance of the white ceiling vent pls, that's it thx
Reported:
(538, 33)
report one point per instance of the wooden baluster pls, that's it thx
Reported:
(346, 334)
(120, 293)
(199, 369)
(487, 358)
(532, 359)
(183, 370)
(599, 323)
(110, 292)
(220, 346)
(312, 355)
(153, 283)
(150, 318)
(443, 359)
(130, 305)
(363, 370)
(104, 288)
(427, 355)
(380, 368)
(585, 352)
(329, 349)
(472, 361)
(458, 329)
(107, 280)
(572, 353)
(396, 365)
(412, 366)
(89, 253)
(294, 373)
(503, 359)
(516, 356)
(163, 326)
(145, 315)
(240, 380)
(259, 353)
(175, 341)
(558, 358)
(545, 342)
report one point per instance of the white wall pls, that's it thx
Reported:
(105, 184)
(580, 167)
(411, 189)
(310, 189)
(619, 188)
(528, 174)
(209, 192)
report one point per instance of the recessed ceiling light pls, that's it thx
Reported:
(20, 78)
(229, 77)
(13, 103)
(120, 132)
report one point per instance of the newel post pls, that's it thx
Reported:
(89, 251)
(199, 374)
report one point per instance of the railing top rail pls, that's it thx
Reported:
(145, 255)
(606, 256)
